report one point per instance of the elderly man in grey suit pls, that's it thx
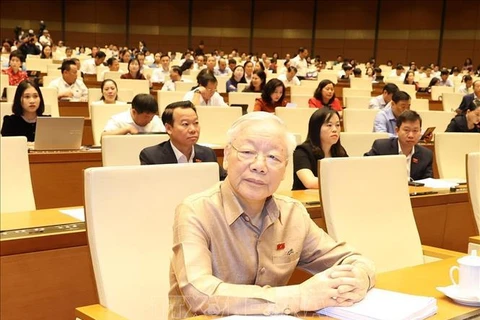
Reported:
(181, 123)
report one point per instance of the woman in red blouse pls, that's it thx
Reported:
(15, 72)
(324, 96)
(133, 71)
(273, 95)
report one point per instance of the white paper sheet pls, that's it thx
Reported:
(439, 183)
(75, 213)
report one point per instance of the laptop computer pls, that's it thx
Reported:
(63, 133)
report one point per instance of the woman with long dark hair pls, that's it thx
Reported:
(323, 141)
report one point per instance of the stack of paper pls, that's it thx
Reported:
(385, 305)
(440, 183)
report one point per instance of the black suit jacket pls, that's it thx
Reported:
(466, 101)
(421, 164)
(163, 154)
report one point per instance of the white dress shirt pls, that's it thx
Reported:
(124, 120)
(78, 88)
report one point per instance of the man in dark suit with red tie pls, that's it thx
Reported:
(409, 130)
(181, 123)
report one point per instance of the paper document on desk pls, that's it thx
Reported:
(75, 213)
(382, 304)
(258, 317)
(385, 305)
(439, 183)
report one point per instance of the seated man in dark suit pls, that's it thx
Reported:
(409, 131)
(181, 123)
(469, 98)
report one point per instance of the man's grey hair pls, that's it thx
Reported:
(258, 118)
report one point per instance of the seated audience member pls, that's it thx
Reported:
(398, 73)
(68, 53)
(410, 79)
(27, 105)
(141, 117)
(357, 73)
(46, 53)
(467, 85)
(109, 90)
(257, 81)
(284, 68)
(69, 86)
(346, 72)
(113, 66)
(222, 69)
(386, 119)
(381, 101)
(206, 93)
(469, 98)
(211, 63)
(289, 78)
(182, 125)
(377, 77)
(241, 218)
(125, 55)
(199, 62)
(323, 141)
(444, 81)
(428, 73)
(273, 95)
(133, 71)
(156, 61)
(232, 63)
(238, 76)
(248, 67)
(324, 97)
(28, 46)
(15, 72)
(467, 121)
(408, 130)
(162, 72)
(175, 76)
(434, 82)
(90, 66)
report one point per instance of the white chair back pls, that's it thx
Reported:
(125, 150)
(332, 76)
(241, 86)
(16, 184)
(437, 119)
(451, 150)
(410, 89)
(424, 82)
(354, 102)
(3, 82)
(473, 181)
(243, 98)
(164, 98)
(420, 104)
(144, 254)
(357, 143)
(100, 114)
(287, 182)
(306, 90)
(451, 101)
(313, 84)
(358, 120)
(48, 79)
(114, 75)
(181, 86)
(214, 131)
(361, 84)
(296, 119)
(38, 64)
(386, 224)
(137, 86)
(438, 91)
(301, 100)
(50, 98)
(222, 84)
(11, 93)
(349, 92)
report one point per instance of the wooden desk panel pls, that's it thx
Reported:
(73, 109)
(57, 177)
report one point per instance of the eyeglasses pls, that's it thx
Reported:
(250, 155)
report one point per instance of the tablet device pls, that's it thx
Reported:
(427, 132)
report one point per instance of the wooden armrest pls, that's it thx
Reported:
(441, 253)
(474, 239)
(96, 312)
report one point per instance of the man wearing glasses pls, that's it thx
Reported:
(206, 93)
(237, 244)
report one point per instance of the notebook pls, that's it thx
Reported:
(382, 304)
(63, 133)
